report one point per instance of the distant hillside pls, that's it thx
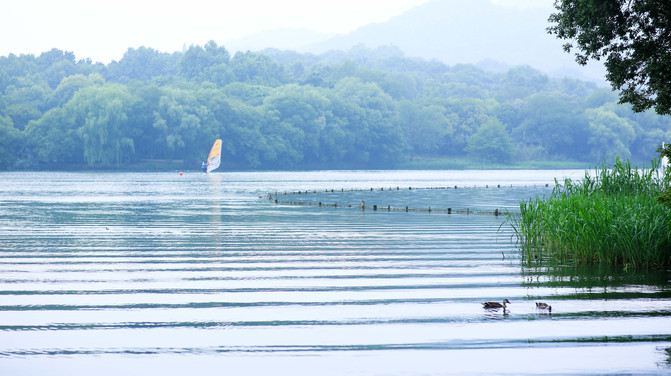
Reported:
(452, 31)
(283, 39)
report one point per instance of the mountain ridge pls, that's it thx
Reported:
(453, 32)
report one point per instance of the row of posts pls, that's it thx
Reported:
(372, 189)
(496, 211)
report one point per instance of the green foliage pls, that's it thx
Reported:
(142, 64)
(609, 135)
(425, 127)
(552, 123)
(665, 195)
(70, 85)
(101, 120)
(257, 69)
(469, 114)
(10, 142)
(283, 110)
(633, 36)
(53, 139)
(198, 61)
(303, 108)
(612, 218)
(491, 143)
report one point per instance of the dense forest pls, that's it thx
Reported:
(364, 108)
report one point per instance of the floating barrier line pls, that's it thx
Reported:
(342, 190)
(398, 188)
(275, 198)
(496, 212)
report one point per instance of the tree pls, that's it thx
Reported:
(69, 86)
(633, 36)
(100, 115)
(256, 68)
(178, 123)
(610, 135)
(651, 129)
(469, 114)
(197, 59)
(522, 81)
(304, 108)
(347, 116)
(551, 122)
(382, 135)
(10, 138)
(143, 64)
(54, 138)
(491, 143)
(425, 128)
(55, 73)
(26, 102)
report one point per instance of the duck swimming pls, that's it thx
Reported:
(541, 305)
(496, 304)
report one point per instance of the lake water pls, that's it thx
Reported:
(162, 273)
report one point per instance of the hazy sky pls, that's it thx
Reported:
(104, 29)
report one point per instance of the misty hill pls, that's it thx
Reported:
(452, 31)
(283, 39)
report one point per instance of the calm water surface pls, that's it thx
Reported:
(161, 273)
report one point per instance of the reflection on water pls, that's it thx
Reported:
(121, 273)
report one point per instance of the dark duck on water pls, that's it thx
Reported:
(496, 304)
(541, 305)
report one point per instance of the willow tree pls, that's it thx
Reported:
(101, 120)
(634, 37)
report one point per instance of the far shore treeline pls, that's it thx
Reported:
(364, 108)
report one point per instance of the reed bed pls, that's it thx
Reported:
(613, 217)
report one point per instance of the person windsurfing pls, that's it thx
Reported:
(213, 159)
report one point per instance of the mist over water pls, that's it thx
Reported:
(161, 273)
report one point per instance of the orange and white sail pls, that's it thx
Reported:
(214, 159)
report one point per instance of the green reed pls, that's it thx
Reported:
(613, 217)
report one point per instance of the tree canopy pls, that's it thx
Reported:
(363, 108)
(634, 36)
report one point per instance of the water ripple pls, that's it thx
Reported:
(144, 265)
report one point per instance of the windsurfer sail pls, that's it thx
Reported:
(214, 159)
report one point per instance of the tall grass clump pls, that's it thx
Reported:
(613, 217)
